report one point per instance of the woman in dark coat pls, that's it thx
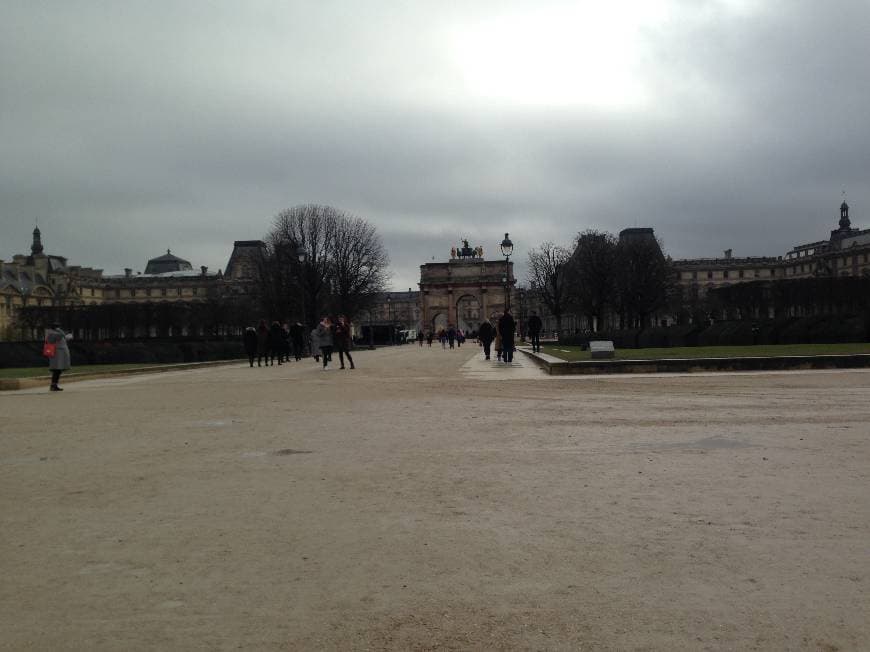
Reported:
(486, 333)
(276, 343)
(250, 342)
(507, 328)
(342, 340)
(262, 343)
(60, 361)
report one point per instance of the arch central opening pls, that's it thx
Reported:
(468, 313)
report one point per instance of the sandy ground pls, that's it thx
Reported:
(430, 500)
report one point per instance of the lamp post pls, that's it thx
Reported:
(507, 248)
(302, 257)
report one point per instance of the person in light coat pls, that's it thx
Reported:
(324, 340)
(60, 361)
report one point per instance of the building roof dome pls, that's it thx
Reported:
(167, 263)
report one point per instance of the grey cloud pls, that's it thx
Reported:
(192, 124)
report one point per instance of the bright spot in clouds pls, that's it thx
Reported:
(586, 54)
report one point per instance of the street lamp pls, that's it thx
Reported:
(302, 257)
(507, 248)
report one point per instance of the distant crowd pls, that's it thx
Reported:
(266, 343)
(500, 336)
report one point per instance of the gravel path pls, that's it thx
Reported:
(431, 500)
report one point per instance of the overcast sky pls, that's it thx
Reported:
(130, 127)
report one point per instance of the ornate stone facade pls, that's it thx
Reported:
(463, 291)
(46, 280)
(845, 253)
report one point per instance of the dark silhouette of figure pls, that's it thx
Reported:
(276, 343)
(342, 340)
(262, 343)
(486, 334)
(297, 338)
(250, 342)
(429, 337)
(420, 338)
(533, 328)
(451, 336)
(507, 328)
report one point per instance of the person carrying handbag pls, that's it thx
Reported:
(59, 358)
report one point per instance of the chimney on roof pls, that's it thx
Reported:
(204, 269)
(128, 272)
(728, 254)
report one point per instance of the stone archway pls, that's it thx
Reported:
(465, 289)
(469, 313)
(437, 322)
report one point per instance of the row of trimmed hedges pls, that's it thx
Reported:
(819, 329)
(29, 354)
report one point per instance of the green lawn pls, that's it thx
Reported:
(574, 352)
(31, 372)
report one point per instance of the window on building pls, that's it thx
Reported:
(725, 274)
(195, 291)
(178, 291)
(147, 292)
(695, 274)
(756, 273)
(773, 272)
(163, 292)
(740, 274)
(709, 274)
(117, 293)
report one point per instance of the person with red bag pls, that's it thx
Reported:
(59, 358)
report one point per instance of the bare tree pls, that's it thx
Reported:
(359, 265)
(289, 283)
(547, 267)
(643, 278)
(343, 268)
(591, 274)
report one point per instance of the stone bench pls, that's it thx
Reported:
(601, 349)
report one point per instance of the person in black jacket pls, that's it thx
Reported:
(250, 341)
(342, 340)
(262, 343)
(507, 329)
(533, 328)
(486, 334)
(276, 343)
(297, 338)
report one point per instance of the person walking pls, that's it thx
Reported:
(276, 343)
(429, 337)
(325, 339)
(285, 341)
(59, 361)
(451, 336)
(297, 334)
(343, 340)
(497, 343)
(250, 341)
(262, 343)
(486, 333)
(420, 338)
(533, 328)
(507, 327)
